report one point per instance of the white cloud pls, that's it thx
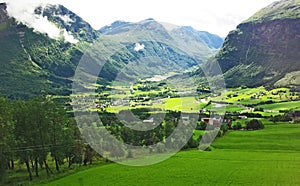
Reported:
(69, 37)
(139, 47)
(66, 19)
(24, 13)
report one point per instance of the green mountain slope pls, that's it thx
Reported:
(198, 44)
(32, 63)
(264, 48)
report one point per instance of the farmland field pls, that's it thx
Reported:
(281, 106)
(267, 157)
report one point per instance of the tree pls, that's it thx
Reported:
(6, 134)
(57, 118)
(254, 125)
(201, 125)
(23, 134)
(72, 143)
(237, 126)
(89, 154)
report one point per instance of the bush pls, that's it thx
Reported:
(192, 143)
(254, 125)
(224, 128)
(201, 125)
(237, 126)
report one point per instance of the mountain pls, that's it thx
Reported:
(264, 49)
(31, 62)
(68, 20)
(45, 46)
(201, 44)
(211, 40)
(113, 26)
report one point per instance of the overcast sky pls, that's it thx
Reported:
(215, 16)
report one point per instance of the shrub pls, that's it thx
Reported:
(254, 125)
(201, 125)
(237, 126)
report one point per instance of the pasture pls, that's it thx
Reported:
(281, 106)
(267, 157)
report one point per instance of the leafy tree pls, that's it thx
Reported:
(57, 118)
(89, 154)
(192, 143)
(237, 126)
(72, 143)
(6, 130)
(23, 136)
(201, 125)
(254, 125)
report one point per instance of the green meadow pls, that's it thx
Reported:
(281, 106)
(266, 157)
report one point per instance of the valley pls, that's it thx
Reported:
(162, 95)
(148, 102)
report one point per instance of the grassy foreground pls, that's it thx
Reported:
(267, 157)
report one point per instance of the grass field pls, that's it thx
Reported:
(185, 104)
(267, 157)
(281, 106)
(257, 95)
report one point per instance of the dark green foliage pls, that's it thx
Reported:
(224, 128)
(31, 130)
(237, 126)
(192, 143)
(201, 125)
(6, 135)
(281, 118)
(34, 63)
(254, 125)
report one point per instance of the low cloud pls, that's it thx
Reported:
(23, 12)
(139, 47)
(69, 37)
(66, 19)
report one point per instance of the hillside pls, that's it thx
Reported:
(264, 48)
(34, 64)
(43, 59)
(198, 44)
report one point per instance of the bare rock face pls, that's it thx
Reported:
(3, 13)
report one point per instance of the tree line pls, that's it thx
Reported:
(33, 130)
(40, 134)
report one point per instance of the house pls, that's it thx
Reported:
(242, 117)
(151, 120)
(185, 117)
(212, 121)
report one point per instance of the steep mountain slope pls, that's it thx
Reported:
(264, 48)
(66, 19)
(32, 63)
